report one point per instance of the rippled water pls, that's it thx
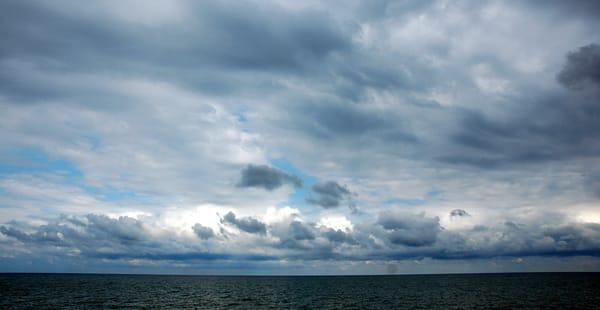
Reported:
(483, 291)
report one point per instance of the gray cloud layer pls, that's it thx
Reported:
(405, 235)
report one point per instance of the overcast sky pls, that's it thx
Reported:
(299, 137)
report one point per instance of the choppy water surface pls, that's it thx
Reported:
(544, 291)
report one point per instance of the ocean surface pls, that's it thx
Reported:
(465, 291)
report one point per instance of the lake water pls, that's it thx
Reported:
(465, 291)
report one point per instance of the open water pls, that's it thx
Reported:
(464, 291)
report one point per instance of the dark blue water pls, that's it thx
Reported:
(481, 291)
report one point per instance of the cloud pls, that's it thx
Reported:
(583, 66)
(247, 224)
(96, 228)
(244, 36)
(459, 213)
(339, 236)
(330, 194)
(591, 183)
(406, 236)
(92, 233)
(296, 236)
(266, 177)
(300, 231)
(15, 233)
(410, 229)
(546, 127)
(124, 228)
(203, 232)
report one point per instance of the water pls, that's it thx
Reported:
(476, 291)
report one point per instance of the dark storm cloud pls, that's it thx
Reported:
(370, 72)
(203, 232)
(377, 9)
(233, 48)
(409, 229)
(343, 120)
(232, 37)
(552, 129)
(266, 177)
(579, 9)
(583, 66)
(239, 35)
(270, 39)
(547, 127)
(459, 213)
(330, 194)
(247, 224)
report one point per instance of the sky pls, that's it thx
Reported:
(299, 137)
